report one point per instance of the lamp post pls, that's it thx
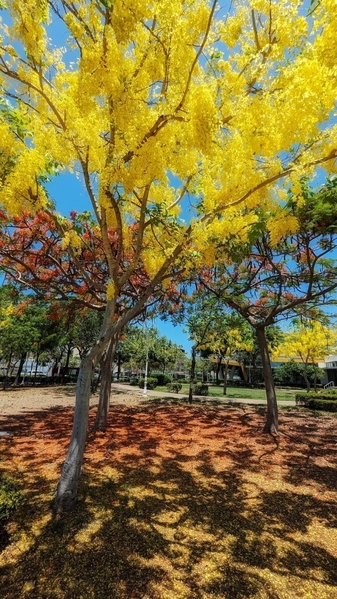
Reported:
(146, 362)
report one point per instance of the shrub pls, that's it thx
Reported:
(151, 383)
(305, 398)
(134, 381)
(323, 404)
(174, 387)
(163, 379)
(10, 497)
(200, 389)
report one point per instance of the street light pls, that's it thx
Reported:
(146, 362)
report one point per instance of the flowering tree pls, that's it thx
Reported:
(35, 256)
(309, 340)
(274, 276)
(144, 95)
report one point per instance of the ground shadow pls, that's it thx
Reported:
(175, 501)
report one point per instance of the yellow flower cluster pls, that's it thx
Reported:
(310, 341)
(5, 314)
(280, 226)
(21, 188)
(72, 239)
(153, 260)
(135, 109)
(204, 114)
(110, 290)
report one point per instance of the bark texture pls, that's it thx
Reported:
(271, 425)
(68, 483)
(192, 374)
(225, 376)
(18, 374)
(105, 387)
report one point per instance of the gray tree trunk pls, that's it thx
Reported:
(305, 376)
(225, 375)
(218, 366)
(192, 374)
(105, 387)
(18, 374)
(68, 483)
(271, 425)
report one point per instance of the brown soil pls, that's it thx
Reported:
(20, 400)
(175, 501)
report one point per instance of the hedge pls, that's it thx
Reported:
(200, 389)
(163, 379)
(174, 387)
(304, 398)
(151, 383)
(323, 404)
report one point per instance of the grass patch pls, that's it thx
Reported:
(240, 393)
(175, 501)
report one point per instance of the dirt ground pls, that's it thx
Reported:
(175, 501)
(21, 400)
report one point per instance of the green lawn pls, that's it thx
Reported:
(241, 393)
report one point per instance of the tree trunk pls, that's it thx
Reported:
(18, 374)
(119, 364)
(225, 374)
(36, 367)
(66, 366)
(6, 377)
(68, 483)
(218, 366)
(305, 376)
(192, 374)
(105, 388)
(271, 425)
(69, 350)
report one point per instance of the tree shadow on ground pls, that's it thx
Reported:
(175, 501)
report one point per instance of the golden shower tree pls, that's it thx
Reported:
(178, 117)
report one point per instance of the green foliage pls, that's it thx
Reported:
(162, 353)
(200, 389)
(28, 328)
(324, 405)
(151, 383)
(291, 374)
(163, 379)
(174, 387)
(319, 211)
(84, 330)
(10, 497)
(306, 398)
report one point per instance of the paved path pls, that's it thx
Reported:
(125, 388)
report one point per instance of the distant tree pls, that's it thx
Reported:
(273, 275)
(310, 341)
(34, 254)
(252, 357)
(291, 374)
(28, 329)
(211, 328)
(137, 342)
